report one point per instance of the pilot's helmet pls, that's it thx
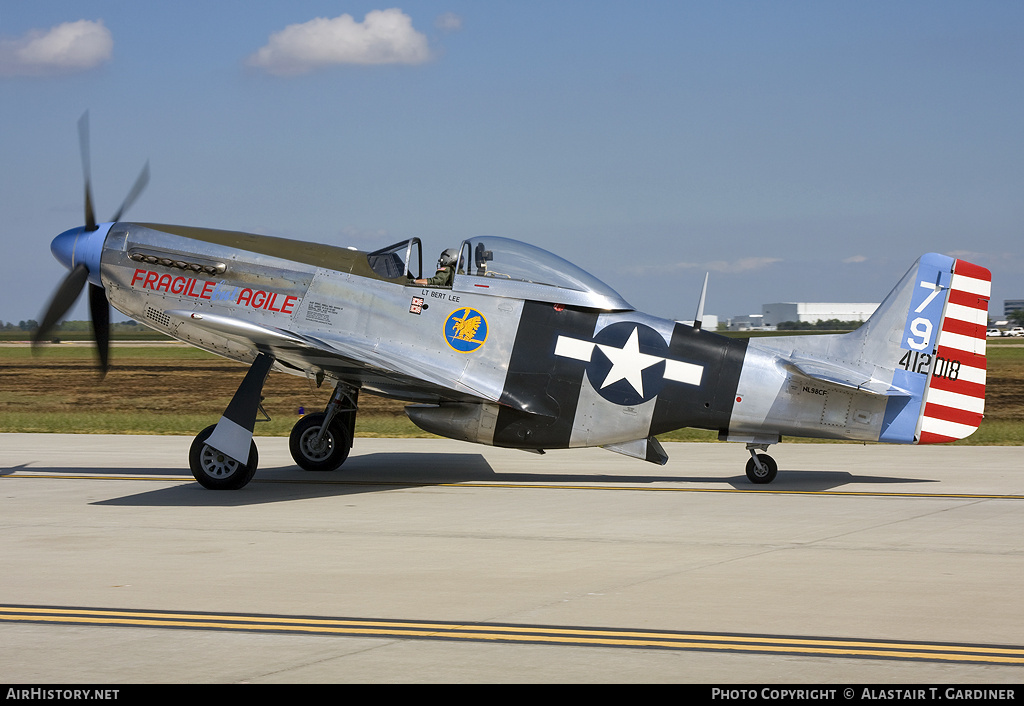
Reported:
(447, 258)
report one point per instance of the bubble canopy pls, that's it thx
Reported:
(507, 267)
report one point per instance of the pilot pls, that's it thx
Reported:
(445, 270)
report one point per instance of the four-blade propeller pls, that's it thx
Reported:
(69, 290)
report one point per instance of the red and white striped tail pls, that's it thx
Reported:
(954, 400)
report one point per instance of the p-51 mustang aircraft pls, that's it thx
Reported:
(522, 349)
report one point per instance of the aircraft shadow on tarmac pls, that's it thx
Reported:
(381, 472)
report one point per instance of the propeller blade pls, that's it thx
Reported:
(63, 298)
(90, 216)
(140, 185)
(83, 145)
(69, 290)
(99, 308)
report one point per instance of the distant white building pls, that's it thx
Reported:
(804, 312)
(750, 322)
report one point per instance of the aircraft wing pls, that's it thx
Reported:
(349, 360)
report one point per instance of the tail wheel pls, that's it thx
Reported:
(217, 471)
(329, 452)
(765, 474)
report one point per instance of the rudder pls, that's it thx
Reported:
(954, 398)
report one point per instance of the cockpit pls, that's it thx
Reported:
(504, 267)
(403, 259)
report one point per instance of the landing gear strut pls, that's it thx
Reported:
(321, 441)
(761, 468)
(223, 456)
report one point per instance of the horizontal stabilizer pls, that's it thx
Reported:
(918, 363)
(837, 375)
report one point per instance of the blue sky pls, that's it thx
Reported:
(799, 151)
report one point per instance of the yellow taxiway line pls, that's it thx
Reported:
(530, 634)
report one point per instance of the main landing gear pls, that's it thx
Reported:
(761, 468)
(321, 441)
(223, 456)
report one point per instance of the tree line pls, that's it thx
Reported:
(65, 326)
(820, 325)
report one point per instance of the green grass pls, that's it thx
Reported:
(1005, 359)
(82, 331)
(86, 422)
(24, 354)
(996, 432)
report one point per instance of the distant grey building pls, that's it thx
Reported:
(1012, 305)
(804, 312)
(751, 322)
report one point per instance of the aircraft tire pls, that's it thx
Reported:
(216, 471)
(332, 453)
(767, 476)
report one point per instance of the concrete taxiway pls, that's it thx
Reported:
(438, 561)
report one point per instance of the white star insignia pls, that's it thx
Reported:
(628, 363)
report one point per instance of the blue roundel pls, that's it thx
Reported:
(628, 363)
(465, 330)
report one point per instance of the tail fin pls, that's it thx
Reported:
(914, 373)
(941, 349)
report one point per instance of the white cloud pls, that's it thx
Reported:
(745, 264)
(855, 259)
(969, 255)
(67, 48)
(448, 22)
(383, 37)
